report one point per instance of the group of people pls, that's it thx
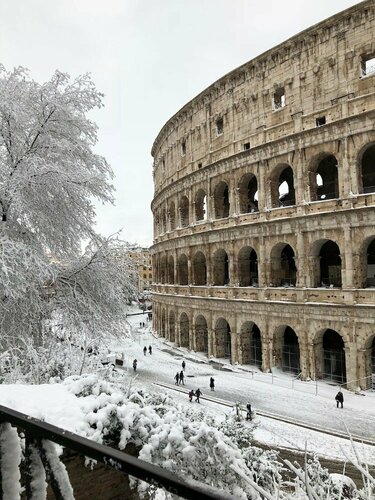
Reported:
(145, 350)
(142, 324)
(179, 378)
(197, 395)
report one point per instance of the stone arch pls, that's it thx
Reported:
(172, 216)
(223, 339)
(367, 169)
(283, 266)
(200, 205)
(247, 267)
(184, 211)
(220, 268)
(327, 269)
(201, 334)
(172, 326)
(369, 254)
(248, 194)
(251, 344)
(324, 177)
(163, 323)
(286, 352)
(282, 186)
(330, 363)
(182, 270)
(199, 269)
(184, 330)
(171, 270)
(163, 220)
(163, 269)
(221, 200)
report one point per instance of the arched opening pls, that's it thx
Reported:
(332, 360)
(201, 334)
(199, 269)
(184, 330)
(282, 187)
(221, 268)
(182, 270)
(370, 272)
(330, 264)
(172, 326)
(163, 269)
(163, 323)
(368, 170)
(184, 211)
(283, 266)
(223, 339)
(251, 344)
(200, 205)
(324, 182)
(163, 221)
(221, 200)
(171, 270)
(286, 353)
(172, 216)
(248, 194)
(248, 267)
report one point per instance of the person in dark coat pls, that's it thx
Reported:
(212, 383)
(198, 394)
(183, 365)
(177, 378)
(182, 377)
(248, 413)
(150, 349)
(191, 394)
(145, 350)
(339, 399)
(135, 365)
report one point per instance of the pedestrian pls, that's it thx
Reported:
(212, 383)
(182, 377)
(145, 350)
(143, 324)
(177, 378)
(198, 394)
(135, 365)
(183, 365)
(140, 324)
(191, 394)
(150, 349)
(248, 414)
(339, 399)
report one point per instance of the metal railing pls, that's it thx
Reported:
(38, 434)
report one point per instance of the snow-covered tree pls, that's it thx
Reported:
(50, 177)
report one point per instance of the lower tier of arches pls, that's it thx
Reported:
(313, 341)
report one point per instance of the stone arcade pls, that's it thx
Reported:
(264, 209)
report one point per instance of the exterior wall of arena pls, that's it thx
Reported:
(264, 209)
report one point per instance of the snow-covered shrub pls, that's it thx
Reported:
(239, 432)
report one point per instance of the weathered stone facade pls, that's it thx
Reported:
(264, 208)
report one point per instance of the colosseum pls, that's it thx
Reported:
(264, 209)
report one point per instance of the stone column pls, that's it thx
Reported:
(234, 347)
(262, 186)
(301, 261)
(304, 359)
(351, 365)
(348, 272)
(364, 367)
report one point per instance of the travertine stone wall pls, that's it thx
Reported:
(303, 112)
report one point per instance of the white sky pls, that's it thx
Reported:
(149, 57)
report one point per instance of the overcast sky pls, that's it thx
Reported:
(149, 57)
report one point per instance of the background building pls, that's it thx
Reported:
(142, 260)
(264, 209)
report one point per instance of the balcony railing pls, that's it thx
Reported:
(37, 436)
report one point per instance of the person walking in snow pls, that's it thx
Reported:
(183, 365)
(145, 350)
(182, 377)
(191, 394)
(212, 383)
(198, 394)
(150, 349)
(248, 414)
(135, 365)
(177, 378)
(339, 399)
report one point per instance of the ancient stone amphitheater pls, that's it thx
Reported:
(264, 209)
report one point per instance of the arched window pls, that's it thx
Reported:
(282, 187)
(251, 344)
(286, 353)
(163, 325)
(223, 339)
(163, 269)
(247, 267)
(184, 211)
(199, 269)
(330, 264)
(172, 326)
(248, 194)
(283, 266)
(172, 216)
(200, 205)
(171, 270)
(221, 200)
(370, 274)
(201, 334)
(324, 184)
(367, 179)
(221, 268)
(184, 330)
(182, 270)
(333, 357)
